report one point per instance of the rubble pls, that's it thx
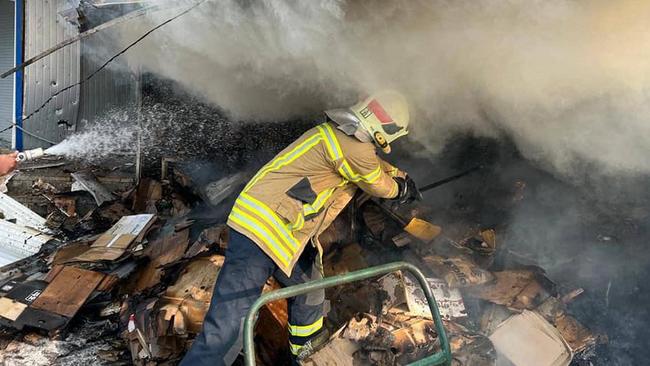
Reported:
(144, 260)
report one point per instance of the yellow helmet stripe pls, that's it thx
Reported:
(240, 217)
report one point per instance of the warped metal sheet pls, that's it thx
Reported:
(87, 182)
(23, 216)
(18, 242)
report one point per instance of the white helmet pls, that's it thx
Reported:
(384, 117)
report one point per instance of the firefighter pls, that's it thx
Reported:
(277, 218)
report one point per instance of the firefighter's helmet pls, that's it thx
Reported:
(384, 116)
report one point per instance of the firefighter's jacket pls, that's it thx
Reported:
(298, 194)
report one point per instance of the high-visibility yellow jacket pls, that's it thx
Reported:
(300, 192)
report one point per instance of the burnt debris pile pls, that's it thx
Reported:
(136, 264)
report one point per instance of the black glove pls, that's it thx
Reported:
(408, 191)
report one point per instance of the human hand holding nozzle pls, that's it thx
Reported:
(8, 162)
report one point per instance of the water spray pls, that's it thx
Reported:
(29, 155)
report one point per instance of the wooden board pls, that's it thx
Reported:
(11, 309)
(68, 291)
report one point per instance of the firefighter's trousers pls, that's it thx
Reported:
(240, 282)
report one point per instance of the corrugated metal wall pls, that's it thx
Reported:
(6, 62)
(111, 89)
(45, 28)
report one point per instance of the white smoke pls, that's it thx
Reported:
(566, 80)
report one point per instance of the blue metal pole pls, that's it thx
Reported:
(18, 80)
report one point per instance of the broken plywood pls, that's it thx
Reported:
(215, 193)
(216, 236)
(11, 309)
(68, 291)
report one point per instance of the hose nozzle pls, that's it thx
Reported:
(29, 155)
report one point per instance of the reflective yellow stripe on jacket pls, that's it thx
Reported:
(258, 218)
(345, 170)
(261, 221)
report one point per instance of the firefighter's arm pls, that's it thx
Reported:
(390, 169)
(365, 169)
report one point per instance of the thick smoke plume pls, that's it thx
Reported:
(566, 80)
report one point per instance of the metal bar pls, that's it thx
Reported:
(134, 14)
(138, 106)
(449, 179)
(18, 80)
(390, 213)
(441, 358)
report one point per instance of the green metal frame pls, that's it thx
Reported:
(443, 357)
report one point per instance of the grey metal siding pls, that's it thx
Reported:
(44, 27)
(112, 88)
(6, 62)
